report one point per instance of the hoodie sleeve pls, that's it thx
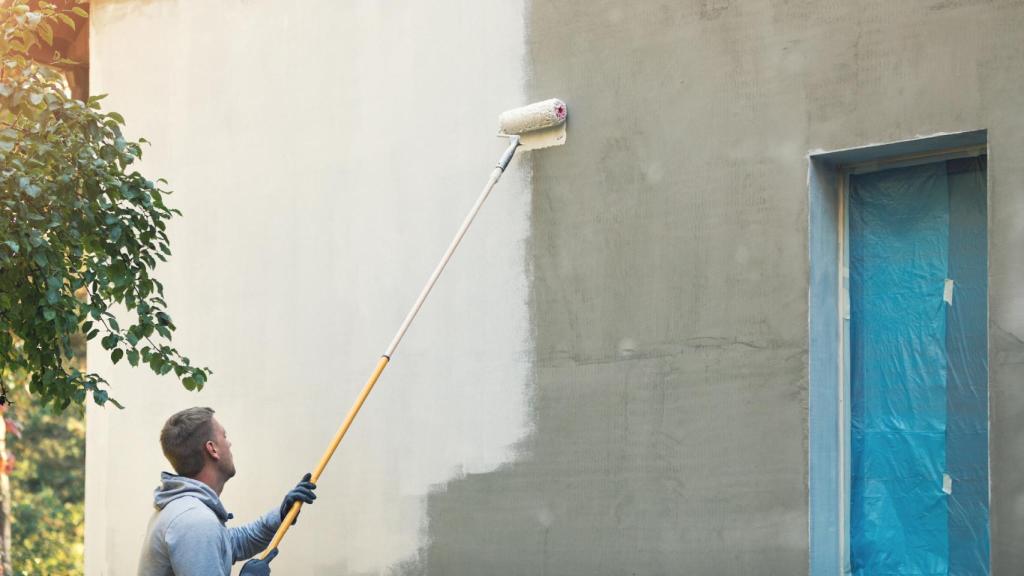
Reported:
(195, 545)
(250, 539)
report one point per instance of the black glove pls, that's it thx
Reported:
(303, 492)
(258, 567)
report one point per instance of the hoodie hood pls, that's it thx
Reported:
(173, 487)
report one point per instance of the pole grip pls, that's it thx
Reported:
(506, 157)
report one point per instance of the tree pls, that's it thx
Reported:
(48, 484)
(81, 231)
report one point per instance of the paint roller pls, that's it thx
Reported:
(537, 125)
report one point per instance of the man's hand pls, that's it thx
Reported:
(303, 492)
(258, 567)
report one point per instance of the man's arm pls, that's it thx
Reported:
(195, 545)
(248, 540)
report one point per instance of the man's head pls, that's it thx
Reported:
(194, 442)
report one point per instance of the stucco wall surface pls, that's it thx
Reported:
(613, 379)
(670, 273)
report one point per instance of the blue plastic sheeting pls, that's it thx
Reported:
(967, 384)
(899, 226)
(918, 371)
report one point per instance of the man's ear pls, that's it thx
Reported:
(211, 450)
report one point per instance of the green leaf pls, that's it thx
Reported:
(116, 355)
(133, 357)
(109, 341)
(49, 313)
(100, 396)
(12, 245)
(46, 32)
(80, 12)
(67, 20)
(94, 101)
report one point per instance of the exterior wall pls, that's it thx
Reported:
(612, 378)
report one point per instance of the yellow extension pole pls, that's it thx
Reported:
(386, 357)
(290, 517)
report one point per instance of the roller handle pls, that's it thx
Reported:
(286, 523)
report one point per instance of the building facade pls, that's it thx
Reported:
(635, 363)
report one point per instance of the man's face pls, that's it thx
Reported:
(225, 462)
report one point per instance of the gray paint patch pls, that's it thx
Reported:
(670, 394)
(670, 274)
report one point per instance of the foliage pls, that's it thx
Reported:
(81, 231)
(48, 485)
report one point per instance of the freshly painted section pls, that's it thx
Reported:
(322, 171)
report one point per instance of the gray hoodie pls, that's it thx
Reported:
(187, 535)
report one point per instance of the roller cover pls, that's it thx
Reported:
(536, 116)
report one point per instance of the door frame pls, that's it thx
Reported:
(828, 425)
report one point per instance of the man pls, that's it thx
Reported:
(187, 535)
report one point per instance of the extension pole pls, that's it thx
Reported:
(506, 157)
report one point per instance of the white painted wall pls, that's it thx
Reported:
(323, 157)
